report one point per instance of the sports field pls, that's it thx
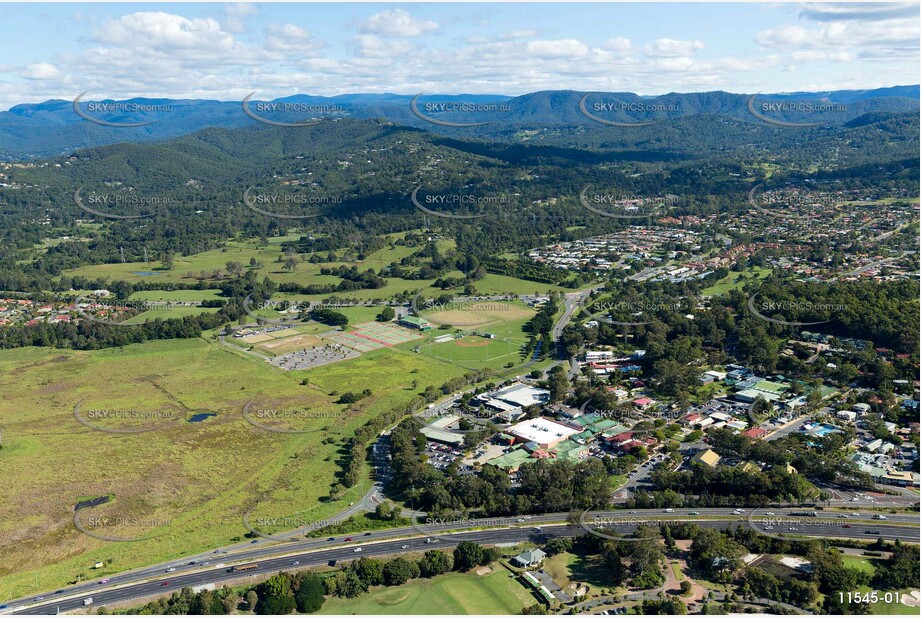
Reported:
(190, 475)
(486, 334)
(455, 593)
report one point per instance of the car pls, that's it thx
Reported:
(842, 516)
(872, 532)
(164, 583)
(693, 513)
(367, 534)
(846, 526)
(191, 562)
(205, 563)
(404, 547)
(769, 513)
(58, 592)
(88, 601)
(521, 520)
(39, 599)
(769, 527)
(295, 563)
(171, 569)
(216, 551)
(332, 538)
(356, 550)
(4, 606)
(348, 538)
(254, 541)
(792, 528)
(104, 581)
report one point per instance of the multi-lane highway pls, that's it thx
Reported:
(214, 569)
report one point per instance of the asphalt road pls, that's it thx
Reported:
(317, 552)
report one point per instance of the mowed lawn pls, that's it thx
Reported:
(197, 479)
(735, 280)
(472, 351)
(455, 593)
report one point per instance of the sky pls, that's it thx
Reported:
(226, 51)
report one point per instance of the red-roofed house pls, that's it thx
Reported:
(755, 433)
(642, 403)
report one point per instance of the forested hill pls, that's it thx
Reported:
(52, 127)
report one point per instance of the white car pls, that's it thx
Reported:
(356, 550)
(769, 513)
(404, 547)
(769, 527)
(171, 569)
(792, 529)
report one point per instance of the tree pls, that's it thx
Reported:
(252, 599)
(309, 596)
(276, 596)
(386, 314)
(168, 260)
(467, 555)
(399, 571)
(435, 562)
(369, 570)
(386, 511)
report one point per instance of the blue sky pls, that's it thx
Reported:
(225, 51)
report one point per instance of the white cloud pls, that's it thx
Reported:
(672, 48)
(618, 44)
(166, 33)
(40, 70)
(290, 39)
(396, 23)
(563, 48)
(237, 14)
(368, 45)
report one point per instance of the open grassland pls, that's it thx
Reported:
(455, 593)
(504, 320)
(735, 280)
(189, 482)
(176, 295)
(569, 568)
(306, 273)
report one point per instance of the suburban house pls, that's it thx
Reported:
(708, 457)
(529, 558)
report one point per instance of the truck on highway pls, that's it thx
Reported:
(244, 567)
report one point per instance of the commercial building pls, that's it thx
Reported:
(544, 432)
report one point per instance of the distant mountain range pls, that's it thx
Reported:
(54, 127)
